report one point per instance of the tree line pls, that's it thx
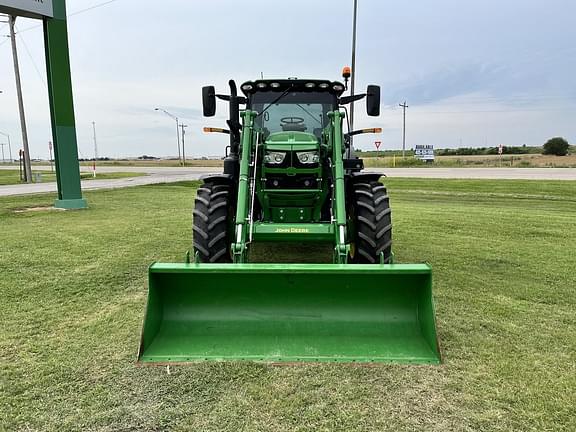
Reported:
(554, 146)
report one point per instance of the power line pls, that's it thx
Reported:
(493, 111)
(40, 25)
(431, 108)
(92, 7)
(74, 13)
(5, 41)
(494, 99)
(516, 97)
(32, 59)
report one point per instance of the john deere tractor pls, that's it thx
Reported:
(290, 177)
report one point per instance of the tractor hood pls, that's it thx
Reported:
(284, 141)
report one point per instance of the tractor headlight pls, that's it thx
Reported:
(310, 157)
(274, 158)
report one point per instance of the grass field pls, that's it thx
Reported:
(8, 177)
(72, 296)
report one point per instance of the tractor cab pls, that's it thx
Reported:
(292, 105)
(292, 129)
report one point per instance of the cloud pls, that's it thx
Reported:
(500, 82)
(178, 111)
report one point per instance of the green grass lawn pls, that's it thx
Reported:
(8, 177)
(73, 289)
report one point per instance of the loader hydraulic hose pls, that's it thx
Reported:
(341, 248)
(239, 245)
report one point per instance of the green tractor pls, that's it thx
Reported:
(290, 177)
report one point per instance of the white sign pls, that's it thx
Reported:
(424, 152)
(29, 8)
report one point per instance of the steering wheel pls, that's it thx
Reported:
(292, 120)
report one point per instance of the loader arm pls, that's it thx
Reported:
(341, 248)
(239, 247)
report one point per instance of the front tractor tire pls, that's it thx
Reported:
(372, 222)
(211, 227)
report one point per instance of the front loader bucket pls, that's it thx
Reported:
(290, 313)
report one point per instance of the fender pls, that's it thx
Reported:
(218, 178)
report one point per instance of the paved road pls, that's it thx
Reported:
(483, 173)
(155, 175)
(175, 174)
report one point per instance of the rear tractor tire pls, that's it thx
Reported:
(372, 222)
(211, 227)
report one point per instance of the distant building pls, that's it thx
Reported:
(424, 152)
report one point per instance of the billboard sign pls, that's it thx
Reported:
(424, 152)
(27, 8)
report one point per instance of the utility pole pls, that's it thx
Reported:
(3, 144)
(183, 152)
(20, 159)
(404, 106)
(173, 117)
(180, 158)
(9, 145)
(353, 74)
(95, 148)
(27, 164)
(50, 150)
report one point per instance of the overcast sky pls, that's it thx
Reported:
(473, 73)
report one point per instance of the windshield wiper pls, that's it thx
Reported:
(275, 101)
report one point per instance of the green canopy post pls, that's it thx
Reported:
(53, 15)
(62, 109)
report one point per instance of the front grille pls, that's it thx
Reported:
(292, 182)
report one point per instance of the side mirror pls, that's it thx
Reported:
(208, 101)
(373, 100)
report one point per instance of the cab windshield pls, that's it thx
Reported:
(294, 111)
